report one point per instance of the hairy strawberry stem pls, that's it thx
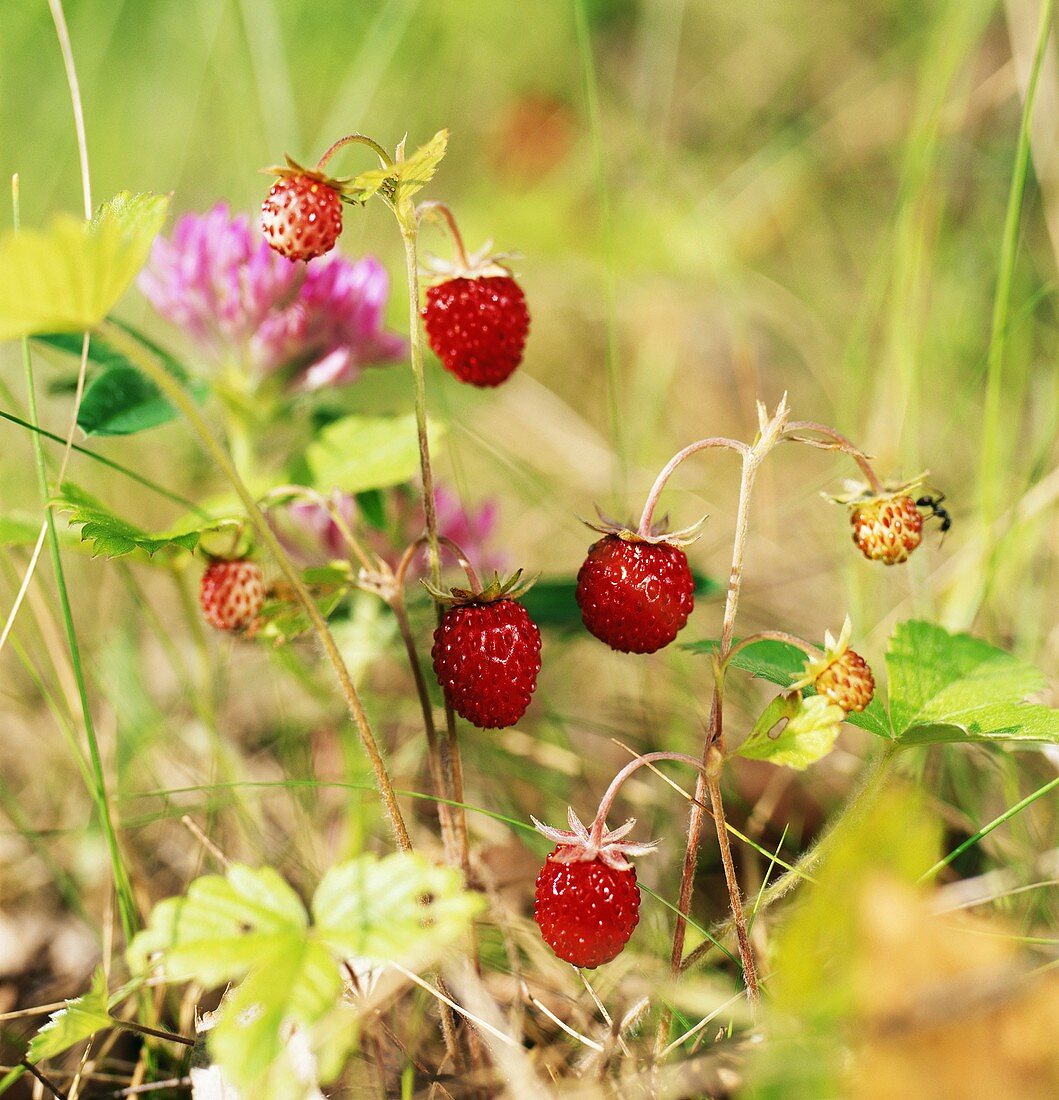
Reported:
(599, 824)
(647, 516)
(355, 139)
(176, 393)
(771, 636)
(839, 443)
(441, 211)
(771, 430)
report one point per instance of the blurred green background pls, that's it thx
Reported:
(712, 203)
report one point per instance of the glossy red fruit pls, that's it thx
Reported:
(302, 217)
(231, 594)
(586, 910)
(477, 327)
(486, 659)
(635, 596)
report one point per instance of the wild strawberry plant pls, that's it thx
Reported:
(319, 514)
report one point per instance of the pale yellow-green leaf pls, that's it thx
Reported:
(812, 725)
(68, 277)
(375, 909)
(78, 1020)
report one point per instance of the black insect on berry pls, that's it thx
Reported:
(934, 503)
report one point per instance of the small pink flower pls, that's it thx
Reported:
(216, 279)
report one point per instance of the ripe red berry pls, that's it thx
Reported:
(887, 529)
(486, 658)
(586, 910)
(301, 217)
(847, 682)
(636, 596)
(231, 594)
(477, 327)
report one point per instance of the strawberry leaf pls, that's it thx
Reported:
(68, 277)
(953, 687)
(119, 399)
(359, 453)
(250, 928)
(113, 537)
(80, 1019)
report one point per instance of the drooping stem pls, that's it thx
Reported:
(176, 393)
(355, 139)
(441, 210)
(809, 650)
(599, 823)
(839, 443)
(647, 515)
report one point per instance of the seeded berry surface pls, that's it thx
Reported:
(848, 682)
(887, 530)
(586, 911)
(486, 659)
(231, 594)
(477, 327)
(635, 596)
(301, 218)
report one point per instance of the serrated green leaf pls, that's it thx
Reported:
(67, 278)
(113, 537)
(80, 1019)
(419, 168)
(250, 927)
(359, 453)
(399, 908)
(777, 662)
(953, 687)
(812, 725)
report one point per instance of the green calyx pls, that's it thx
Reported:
(509, 589)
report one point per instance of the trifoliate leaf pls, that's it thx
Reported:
(79, 1020)
(113, 537)
(68, 277)
(249, 927)
(812, 727)
(358, 453)
(953, 687)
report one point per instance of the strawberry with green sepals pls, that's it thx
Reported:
(301, 217)
(475, 314)
(586, 902)
(231, 594)
(635, 590)
(840, 674)
(487, 652)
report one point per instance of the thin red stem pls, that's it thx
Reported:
(605, 803)
(667, 472)
(844, 445)
(444, 212)
(355, 139)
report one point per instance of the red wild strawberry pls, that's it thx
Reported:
(477, 327)
(231, 594)
(635, 595)
(886, 529)
(587, 903)
(487, 653)
(302, 216)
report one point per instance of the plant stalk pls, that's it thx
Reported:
(182, 400)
